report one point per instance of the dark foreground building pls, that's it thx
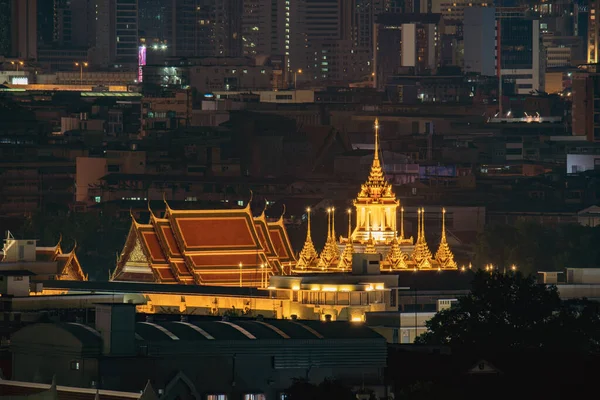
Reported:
(196, 359)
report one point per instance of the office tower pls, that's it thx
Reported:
(226, 23)
(116, 33)
(520, 52)
(479, 32)
(45, 22)
(24, 29)
(63, 30)
(593, 34)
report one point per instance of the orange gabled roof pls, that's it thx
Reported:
(218, 261)
(69, 267)
(281, 241)
(162, 227)
(133, 238)
(164, 273)
(262, 229)
(152, 244)
(218, 230)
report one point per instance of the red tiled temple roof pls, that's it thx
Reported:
(204, 247)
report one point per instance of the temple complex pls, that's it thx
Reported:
(376, 210)
(205, 247)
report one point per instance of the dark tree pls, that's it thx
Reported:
(301, 389)
(511, 312)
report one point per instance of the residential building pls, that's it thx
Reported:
(586, 103)
(116, 33)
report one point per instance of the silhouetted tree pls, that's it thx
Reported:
(512, 312)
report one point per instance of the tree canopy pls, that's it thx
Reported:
(302, 389)
(535, 247)
(509, 311)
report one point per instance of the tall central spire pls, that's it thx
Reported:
(444, 255)
(308, 253)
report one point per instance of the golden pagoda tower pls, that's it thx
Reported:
(444, 255)
(421, 254)
(308, 254)
(346, 260)
(370, 247)
(375, 204)
(396, 257)
(329, 254)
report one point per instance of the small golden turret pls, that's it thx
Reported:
(421, 254)
(346, 260)
(444, 255)
(329, 254)
(396, 257)
(308, 253)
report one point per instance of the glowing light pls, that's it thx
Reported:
(357, 319)
(330, 289)
(296, 288)
(315, 288)
(379, 286)
(369, 288)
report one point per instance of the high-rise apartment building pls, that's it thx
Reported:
(193, 28)
(18, 29)
(264, 27)
(593, 31)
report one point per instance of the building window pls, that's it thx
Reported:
(97, 199)
(17, 278)
(216, 397)
(241, 203)
(254, 397)
(75, 365)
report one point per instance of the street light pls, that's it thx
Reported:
(262, 275)
(81, 65)
(241, 274)
(296, 76)
(17, 63)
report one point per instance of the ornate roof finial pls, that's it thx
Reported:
(167, 208)
(444, 255)
(60, 238)
(282, 213)
(376, 156)
(250, 199)
(396, 257)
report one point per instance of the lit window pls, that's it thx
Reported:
(97, 199)
(216, 397)
(241, 203)
(75, 365)
(254, 397)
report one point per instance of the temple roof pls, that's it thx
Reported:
(214, 247)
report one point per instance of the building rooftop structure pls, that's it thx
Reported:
(43, 262)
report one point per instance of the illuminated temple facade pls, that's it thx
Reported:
(205, 247)
(376, 232)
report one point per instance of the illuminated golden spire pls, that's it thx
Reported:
(330, 253)
(370, 246)
(421, 254)
(376, 186)
(308, 253)
(396, 257)
(444, 255)
(346, 260)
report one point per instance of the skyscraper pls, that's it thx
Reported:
(116, 32)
